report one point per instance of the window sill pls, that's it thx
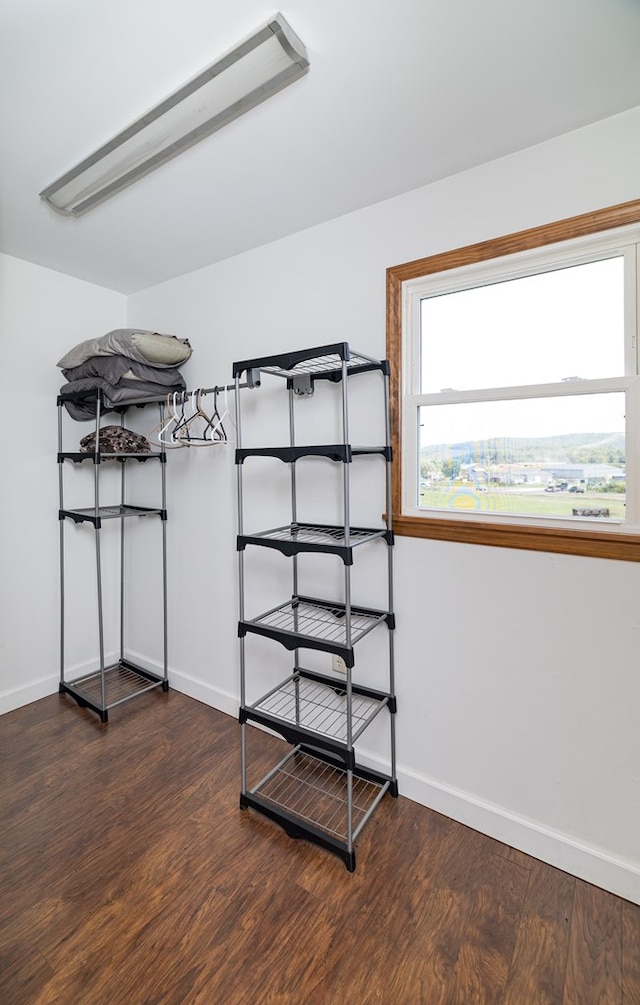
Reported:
(591, 544)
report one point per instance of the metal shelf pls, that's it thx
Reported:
(322, 362)
(88, 514)
(325, 539)
(307, 622)
(90, 455)
(122, 681)
(311, 797)
(307, 707)
(344, 452)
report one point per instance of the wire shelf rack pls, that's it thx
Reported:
(319, 707)
(315, 791)
(83, 455)
(323, 361)
(327, 363)
(298, 537)
(88, 513)
(318, 790)
(122, 681)
(304, 621)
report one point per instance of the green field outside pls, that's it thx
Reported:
(520, 502)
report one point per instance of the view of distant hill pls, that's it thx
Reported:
(575, 448)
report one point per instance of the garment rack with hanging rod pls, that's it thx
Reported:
(107, 683)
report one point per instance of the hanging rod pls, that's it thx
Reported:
(121, 406)
(253, 380)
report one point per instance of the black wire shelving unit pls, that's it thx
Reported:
(318, 789)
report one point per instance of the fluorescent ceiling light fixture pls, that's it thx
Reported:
(260, 66)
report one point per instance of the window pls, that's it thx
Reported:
(515, 392)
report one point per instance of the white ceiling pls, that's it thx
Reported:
(400, 93)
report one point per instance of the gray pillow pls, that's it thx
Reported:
(142, 346)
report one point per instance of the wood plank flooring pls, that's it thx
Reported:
(130, 877)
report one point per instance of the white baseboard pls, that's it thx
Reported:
(588, 862)
(201, 691)
(193, 687)
(16, 697)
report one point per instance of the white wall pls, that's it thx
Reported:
(516, 671)
(517, 680)
(42, 314)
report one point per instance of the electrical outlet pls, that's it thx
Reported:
(338, 664)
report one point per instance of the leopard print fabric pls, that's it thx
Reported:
(115, 440)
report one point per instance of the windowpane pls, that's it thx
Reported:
(534, 330)
(546, 457)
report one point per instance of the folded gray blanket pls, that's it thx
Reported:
(116, 368)
(114, 395)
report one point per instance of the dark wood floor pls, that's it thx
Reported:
(130, 877)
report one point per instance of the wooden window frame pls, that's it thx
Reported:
(590, 543)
